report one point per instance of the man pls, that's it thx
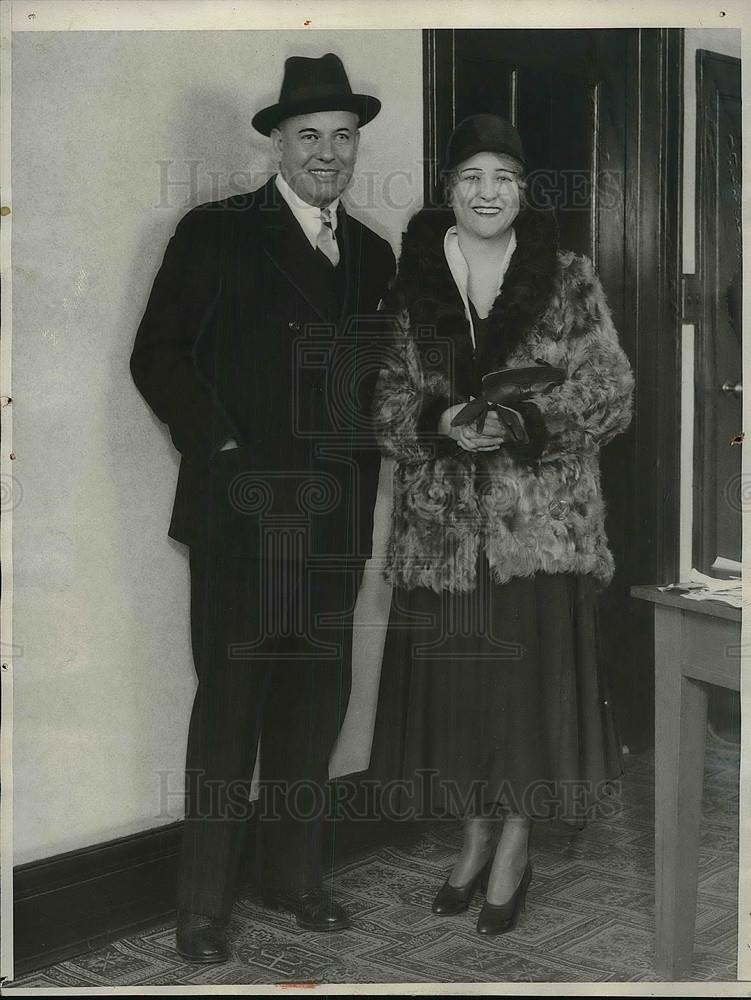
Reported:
(258, 349)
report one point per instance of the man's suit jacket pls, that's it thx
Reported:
(239, 340)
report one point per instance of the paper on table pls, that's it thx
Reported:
(733, 598)
(700, 587)
(723, 565)
(713, 584)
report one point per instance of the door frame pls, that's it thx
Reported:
(715, 73)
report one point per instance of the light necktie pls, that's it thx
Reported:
(326, 242)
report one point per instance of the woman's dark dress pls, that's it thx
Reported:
(495, 700)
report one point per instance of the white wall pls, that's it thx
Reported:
(726, 41)
(104, 682)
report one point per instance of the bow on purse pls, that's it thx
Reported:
(503, 390)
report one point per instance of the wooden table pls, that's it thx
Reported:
(697, 643)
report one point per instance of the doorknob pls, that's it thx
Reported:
(732, 388)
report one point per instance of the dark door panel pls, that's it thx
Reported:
(717, 470)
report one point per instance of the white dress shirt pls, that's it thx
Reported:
(309, 216)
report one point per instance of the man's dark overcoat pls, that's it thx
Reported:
(248, 336)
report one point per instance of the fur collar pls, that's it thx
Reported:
(425, 288)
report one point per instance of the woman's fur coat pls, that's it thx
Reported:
(530, 513)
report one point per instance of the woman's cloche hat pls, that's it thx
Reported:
(482, 134)
(315, 85)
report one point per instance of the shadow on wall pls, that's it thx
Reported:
(209, 134)
(219, 154)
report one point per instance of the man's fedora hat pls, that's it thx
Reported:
(315, 85)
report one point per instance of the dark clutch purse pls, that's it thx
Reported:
(503, 390)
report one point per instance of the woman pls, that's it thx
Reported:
(497, 546)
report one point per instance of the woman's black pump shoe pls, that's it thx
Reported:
(503, 918)
(453, 899)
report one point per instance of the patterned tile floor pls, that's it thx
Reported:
(589, 917)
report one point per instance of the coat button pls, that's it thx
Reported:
(559, 508)
(293, 325)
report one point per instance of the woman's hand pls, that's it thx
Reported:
(467, 437)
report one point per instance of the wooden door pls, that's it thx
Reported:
(600, 115)
(713, 304)
(716, 311)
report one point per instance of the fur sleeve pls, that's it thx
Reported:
(595, 401)
(407, 405)
(397, 402)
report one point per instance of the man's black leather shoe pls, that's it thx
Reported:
(201, 938)
(314, 909)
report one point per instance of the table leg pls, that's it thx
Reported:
(680, 731)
